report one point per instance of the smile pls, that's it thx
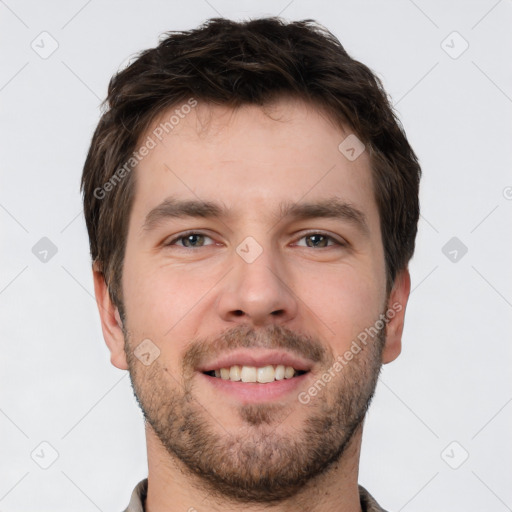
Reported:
(262, 374)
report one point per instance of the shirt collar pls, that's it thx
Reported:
(368, 504)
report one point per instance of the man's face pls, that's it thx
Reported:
(263, 278)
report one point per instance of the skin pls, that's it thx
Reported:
(180, 298)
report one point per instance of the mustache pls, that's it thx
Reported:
(273, 337)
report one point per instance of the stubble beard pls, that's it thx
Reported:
(259, 463)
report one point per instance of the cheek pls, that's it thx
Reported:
(163, 302)
(343, 302)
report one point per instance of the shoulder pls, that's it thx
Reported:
(368, 503)
(138, 497)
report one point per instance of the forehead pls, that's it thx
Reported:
(251, 158)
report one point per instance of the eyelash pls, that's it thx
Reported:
(305, 235)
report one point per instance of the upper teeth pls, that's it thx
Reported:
(263, 374)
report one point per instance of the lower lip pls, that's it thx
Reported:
(254, 392)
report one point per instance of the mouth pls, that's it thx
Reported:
(257, 376)
(262, 374)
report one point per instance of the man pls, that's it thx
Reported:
(252, 206)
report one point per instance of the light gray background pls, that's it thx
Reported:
(452, 381)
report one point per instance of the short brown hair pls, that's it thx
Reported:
(236, 63)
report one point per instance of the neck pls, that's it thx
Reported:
(171, 487)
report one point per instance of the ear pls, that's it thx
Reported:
(395, 312)
(111, 324)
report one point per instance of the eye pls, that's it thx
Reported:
(194, 240)
(190, 240)
(319, 240)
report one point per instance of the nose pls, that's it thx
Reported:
(258, 292)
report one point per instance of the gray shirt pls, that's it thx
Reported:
(368, 504)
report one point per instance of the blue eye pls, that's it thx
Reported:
(190, 240)
(196, 240)
(319, 240)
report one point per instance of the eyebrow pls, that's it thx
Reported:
(332, 208)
